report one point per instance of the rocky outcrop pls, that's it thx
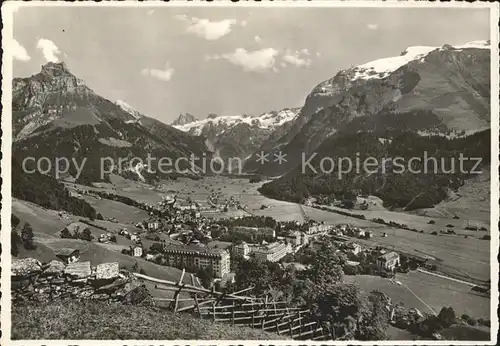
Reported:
(37, 282)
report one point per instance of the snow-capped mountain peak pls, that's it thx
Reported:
(129, 109)
(381, 68)
(268, 121)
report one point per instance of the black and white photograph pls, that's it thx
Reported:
(321, 172)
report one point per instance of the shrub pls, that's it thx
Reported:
(447, 316)
(27, 237)
(472, 321)
(434, 233)
(86, 235)
(465, 317)
(486, 237)
(431, 222)
(483, 322)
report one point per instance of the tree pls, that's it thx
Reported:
(112, 238)
(15, 241)
(136, 268)
(326, 268)
(86, 235)
(65, 233)
(206, 275)
(14, 220)
(375, 318)
(99, 216)
(447, 316)
(254, 273)
(27, 237)
(338, 306)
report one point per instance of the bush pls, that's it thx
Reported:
(486, 237)
(27, 237)
(465, 317)
(447, 316)
(483, 322)
(86, 235)
(431, 222)
(434, 233)
(472, 321)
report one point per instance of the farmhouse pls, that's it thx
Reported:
(153, 225)
(354, 248)
(68, 255)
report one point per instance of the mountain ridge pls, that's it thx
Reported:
(56, 115)
(436, 89)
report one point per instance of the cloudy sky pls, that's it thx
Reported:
(164, 61)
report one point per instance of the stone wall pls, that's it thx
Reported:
(33, 281)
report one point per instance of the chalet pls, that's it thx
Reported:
(354, 248)
(137, 251)
(153, 225)
(68, 255)
(123, 232)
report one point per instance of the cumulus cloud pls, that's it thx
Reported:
(209, 30)
(163, 75)
(19, 52)
(252, 61)
(372, 26)
(299, 58)
(49, 49)
(257, 39)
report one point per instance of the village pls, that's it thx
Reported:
(182, 233)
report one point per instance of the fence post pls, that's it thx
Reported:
(213, 310)
(253, 316)
(232, 317)
(300, 324)
(197, 304)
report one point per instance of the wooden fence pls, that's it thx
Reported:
(237, 309)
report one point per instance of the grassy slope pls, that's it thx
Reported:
(104, 321)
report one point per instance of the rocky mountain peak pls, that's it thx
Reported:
(184, 119)
(55, 69)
